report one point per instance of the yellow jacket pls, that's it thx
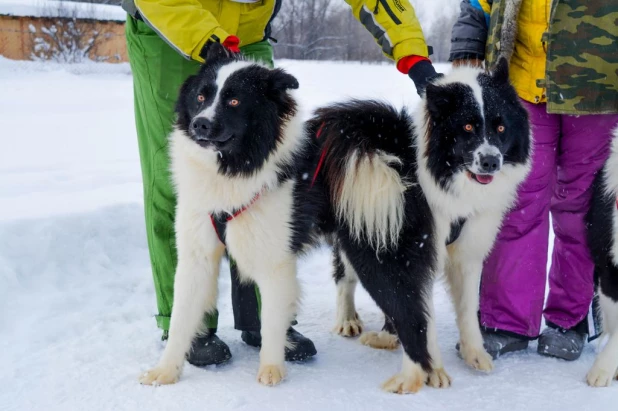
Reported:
(529, 54)
(188, 24)
(526, 48)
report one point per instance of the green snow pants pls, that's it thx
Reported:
(158, 72)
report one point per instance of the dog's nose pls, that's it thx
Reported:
(489, 163)
(201, 126)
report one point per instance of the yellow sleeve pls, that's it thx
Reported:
(183, 24)
(394, 26)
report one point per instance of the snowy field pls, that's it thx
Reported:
(77, 299)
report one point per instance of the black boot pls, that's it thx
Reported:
(208, 350)
(560, 343)
(303, 347)
(499, 343)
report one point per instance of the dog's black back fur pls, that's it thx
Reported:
(398, 277)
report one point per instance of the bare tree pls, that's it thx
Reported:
(65, 38)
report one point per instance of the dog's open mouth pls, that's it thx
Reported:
(481, 178)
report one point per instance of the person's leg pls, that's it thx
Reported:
(514, 274)
(158, 72)
(584, 146)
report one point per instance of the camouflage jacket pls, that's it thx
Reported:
(581, 44)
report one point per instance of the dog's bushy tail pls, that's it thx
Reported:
(365, 146)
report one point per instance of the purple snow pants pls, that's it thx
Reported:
(568, 152)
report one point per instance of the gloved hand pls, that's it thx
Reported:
(230, 45)
(422, 73)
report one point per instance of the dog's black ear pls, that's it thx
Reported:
(279, 80)
(501, 71)
(216, 52)
(440, 99)
(185, 90)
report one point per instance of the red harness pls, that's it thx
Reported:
(322, 156)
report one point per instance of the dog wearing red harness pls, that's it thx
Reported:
(245, 174)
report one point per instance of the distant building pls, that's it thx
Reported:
(60, 30)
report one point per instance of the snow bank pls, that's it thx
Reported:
(52, 8)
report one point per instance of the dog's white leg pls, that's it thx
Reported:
(463, 271)
(348, 323)
(605, 367)
(195, 292)
(280, 293)
(438, 378)
(410, 380)
(464, 284)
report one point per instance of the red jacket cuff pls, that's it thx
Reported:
(231, 43)
(405, 64)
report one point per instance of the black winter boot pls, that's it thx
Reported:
(303, 347)
(498, 343)
(568, 344)
(208, 350)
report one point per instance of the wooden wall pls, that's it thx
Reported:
(16, 39)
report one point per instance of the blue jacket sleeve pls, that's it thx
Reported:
(469, 35)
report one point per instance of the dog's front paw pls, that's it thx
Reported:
(160, 376)
(270, 374)
(406, 383)
(349, 327)
(439, 379)
(382, 340)
(477, 358)
(598, 377)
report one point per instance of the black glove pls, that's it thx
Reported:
(421, 74)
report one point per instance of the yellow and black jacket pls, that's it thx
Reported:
(187, 25)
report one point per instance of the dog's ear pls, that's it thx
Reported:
(216, 52)
(185, 90)
(280, 81)
(501, 71)
(440, 99)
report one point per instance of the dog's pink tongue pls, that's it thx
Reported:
(484, 179)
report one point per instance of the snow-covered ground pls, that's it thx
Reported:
(76, 295)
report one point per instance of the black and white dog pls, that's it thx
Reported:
(459, 160)
(602, 220)
(248, 174)
(238, 158)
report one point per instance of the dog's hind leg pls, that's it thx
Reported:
(280, 293)
(195, 292)
(463, 271)
(348, 322)
(605, 367)
(438, 377)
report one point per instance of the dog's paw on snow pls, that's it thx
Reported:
(406, 383)
(160, 376)
(439, 379)
(349, 327)
(477, 358)
(382, 340)
(270, 374)
(598, 377)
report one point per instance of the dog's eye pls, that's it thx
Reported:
(200, 98)
(501, 128)
(468, 127)
(233, 102)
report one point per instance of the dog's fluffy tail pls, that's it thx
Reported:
(365, 146)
